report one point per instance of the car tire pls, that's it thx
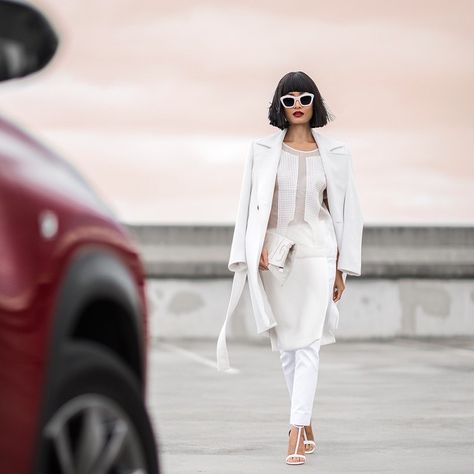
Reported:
(98, 421)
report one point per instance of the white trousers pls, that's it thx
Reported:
(300, 368)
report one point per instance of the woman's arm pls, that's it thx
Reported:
(325, 200)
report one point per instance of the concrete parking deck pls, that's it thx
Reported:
(388, 406)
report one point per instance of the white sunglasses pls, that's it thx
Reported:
(289, 101)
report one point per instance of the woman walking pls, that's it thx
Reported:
(298, 189)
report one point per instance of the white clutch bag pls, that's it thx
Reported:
(281, 252)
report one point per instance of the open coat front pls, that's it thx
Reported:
(253, 213)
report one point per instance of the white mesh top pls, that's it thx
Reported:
(298, 201)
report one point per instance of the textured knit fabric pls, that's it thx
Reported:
(299, 213)
(298, 199)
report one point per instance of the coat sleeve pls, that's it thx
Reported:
(237, 259)
(350, 252)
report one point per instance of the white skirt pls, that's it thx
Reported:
(300, 305)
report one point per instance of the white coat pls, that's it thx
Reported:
(253, 214)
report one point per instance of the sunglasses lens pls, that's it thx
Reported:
(288, 102)
(306, 100)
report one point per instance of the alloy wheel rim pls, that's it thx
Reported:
(91, 434)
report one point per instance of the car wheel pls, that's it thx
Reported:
(98, 422)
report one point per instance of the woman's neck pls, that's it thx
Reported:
(299, 134)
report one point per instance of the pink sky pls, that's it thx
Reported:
(156, 105)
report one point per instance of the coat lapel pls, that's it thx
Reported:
(271, 145)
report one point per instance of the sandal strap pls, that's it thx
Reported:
(295, 454)
(308, 441)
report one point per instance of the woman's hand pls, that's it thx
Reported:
(338, 286)
(263, 264)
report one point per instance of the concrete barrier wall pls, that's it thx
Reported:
(387, 251)
(416, 281)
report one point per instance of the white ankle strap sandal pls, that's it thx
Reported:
(307, 442)
(295, 454)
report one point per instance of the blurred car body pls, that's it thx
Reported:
(73, 311)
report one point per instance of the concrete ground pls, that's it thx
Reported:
(396, 406)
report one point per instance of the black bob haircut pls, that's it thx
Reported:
(298, 82)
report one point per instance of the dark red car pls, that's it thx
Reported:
(73, 312)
